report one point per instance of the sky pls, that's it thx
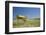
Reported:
(30, 12)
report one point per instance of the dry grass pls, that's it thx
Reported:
(28, 23)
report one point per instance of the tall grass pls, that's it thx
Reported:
(28, 23)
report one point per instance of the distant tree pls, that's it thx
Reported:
(36, 18)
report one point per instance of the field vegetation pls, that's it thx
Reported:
(28, 23)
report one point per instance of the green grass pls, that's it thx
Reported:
(28, 23)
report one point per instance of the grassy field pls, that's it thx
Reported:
(28, 23)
